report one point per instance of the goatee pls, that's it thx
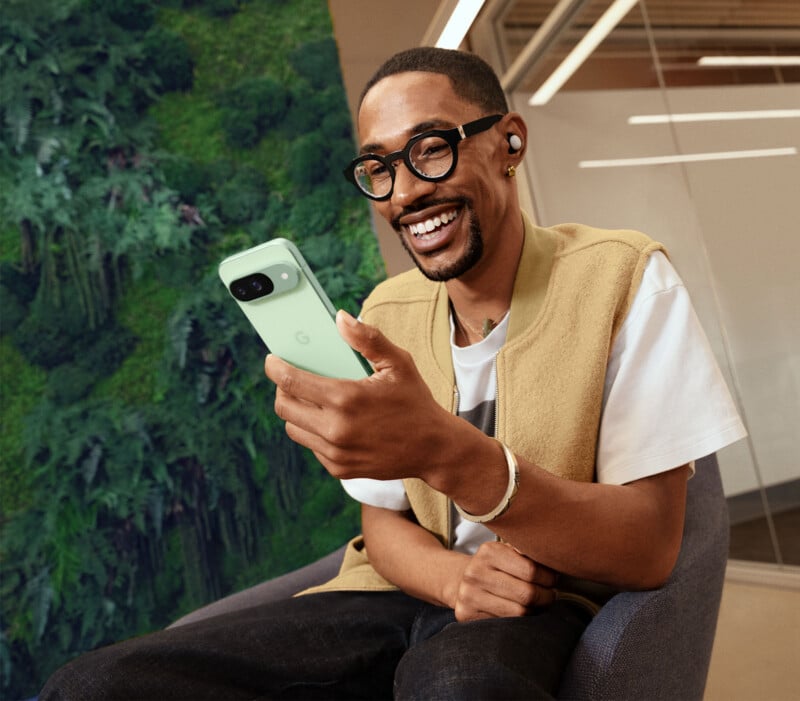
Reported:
(472, 254)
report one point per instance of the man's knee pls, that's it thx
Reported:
(71, 682)
(495, 658)
(127, 669)
(457, 664)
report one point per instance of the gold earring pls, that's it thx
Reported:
(511, 171)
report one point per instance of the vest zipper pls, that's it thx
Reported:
(496, 396)
(451, 509)
(496, 411)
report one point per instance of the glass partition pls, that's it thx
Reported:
(684, 122)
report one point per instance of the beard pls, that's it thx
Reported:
(471, 256)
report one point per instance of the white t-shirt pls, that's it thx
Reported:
(665, 402)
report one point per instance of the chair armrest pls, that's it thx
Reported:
(657, 644)
(282, 587)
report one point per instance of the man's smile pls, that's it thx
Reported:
(427, 228)
(430, 229)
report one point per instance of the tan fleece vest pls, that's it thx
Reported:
(572, 291)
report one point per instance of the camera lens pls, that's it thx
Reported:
(251, 287)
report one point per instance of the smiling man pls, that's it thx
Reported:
(521, 451)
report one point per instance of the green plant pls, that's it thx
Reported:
(169, 56)
(252, 107)
(307, 165)
(318, 62)
(143, 469)
(74, 174)
(243, 197)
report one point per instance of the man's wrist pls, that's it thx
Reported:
(508, 496)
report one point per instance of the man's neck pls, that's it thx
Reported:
(485, 291)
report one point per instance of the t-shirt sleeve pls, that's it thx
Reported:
(387, 494)
(665, 399)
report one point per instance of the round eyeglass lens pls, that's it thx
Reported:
(373, 177)
(431, 157)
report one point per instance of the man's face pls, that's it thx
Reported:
(445, 226)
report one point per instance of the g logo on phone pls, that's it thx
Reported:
(302, 337)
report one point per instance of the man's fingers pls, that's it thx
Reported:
(368, 341)
(297, 411)
(487, 606)
(524, 593)
(299, 383)
(519, 599)
(530, 571)
(506, 558)
(544, 576)
(542, 596)
(501, 581)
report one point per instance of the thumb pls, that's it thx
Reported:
(367, 340)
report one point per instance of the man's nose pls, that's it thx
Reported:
(408, 187)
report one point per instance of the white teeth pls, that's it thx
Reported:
(430, 225)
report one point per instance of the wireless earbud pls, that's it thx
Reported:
(514, 143)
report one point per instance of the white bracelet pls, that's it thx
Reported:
(508, 497)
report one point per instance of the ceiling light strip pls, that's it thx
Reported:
(747, 61)
(689, 158)
(459, 24)
(583, 49)
(682, 118)
(548, 33)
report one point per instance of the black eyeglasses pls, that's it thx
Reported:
(431, 156)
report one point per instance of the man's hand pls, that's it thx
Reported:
(500, 581)
(496, 581)
(386, 426)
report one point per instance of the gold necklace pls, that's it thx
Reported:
(487, 326)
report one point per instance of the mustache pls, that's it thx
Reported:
(465, 202)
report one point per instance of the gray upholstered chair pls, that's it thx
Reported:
(657, 644)
(642, 645)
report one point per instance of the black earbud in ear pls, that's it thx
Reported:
(514, 143)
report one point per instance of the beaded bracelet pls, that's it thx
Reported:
(508, 497)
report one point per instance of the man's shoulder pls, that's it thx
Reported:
(402, 306)
(405, 288)
(573, 237)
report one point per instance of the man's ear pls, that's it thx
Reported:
(514, 142)
(516, 137)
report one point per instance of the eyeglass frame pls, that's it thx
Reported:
(451, 136)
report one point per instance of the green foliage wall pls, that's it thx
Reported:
(142, 470)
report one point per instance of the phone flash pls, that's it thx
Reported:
(284, 276)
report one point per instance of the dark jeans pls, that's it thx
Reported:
(337, 645)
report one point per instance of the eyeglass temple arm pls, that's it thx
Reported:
(479, 125)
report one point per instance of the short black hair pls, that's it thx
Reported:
(471, 77)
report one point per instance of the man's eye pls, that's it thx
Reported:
(437, 148)
(431, 149)
(371, 170)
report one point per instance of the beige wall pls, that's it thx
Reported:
(758, 636)
(732, 228)
(367, 34)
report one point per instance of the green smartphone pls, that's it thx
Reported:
(278, 293)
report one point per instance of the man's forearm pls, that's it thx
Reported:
(626, 536)
(410, 557)
(495, 581)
